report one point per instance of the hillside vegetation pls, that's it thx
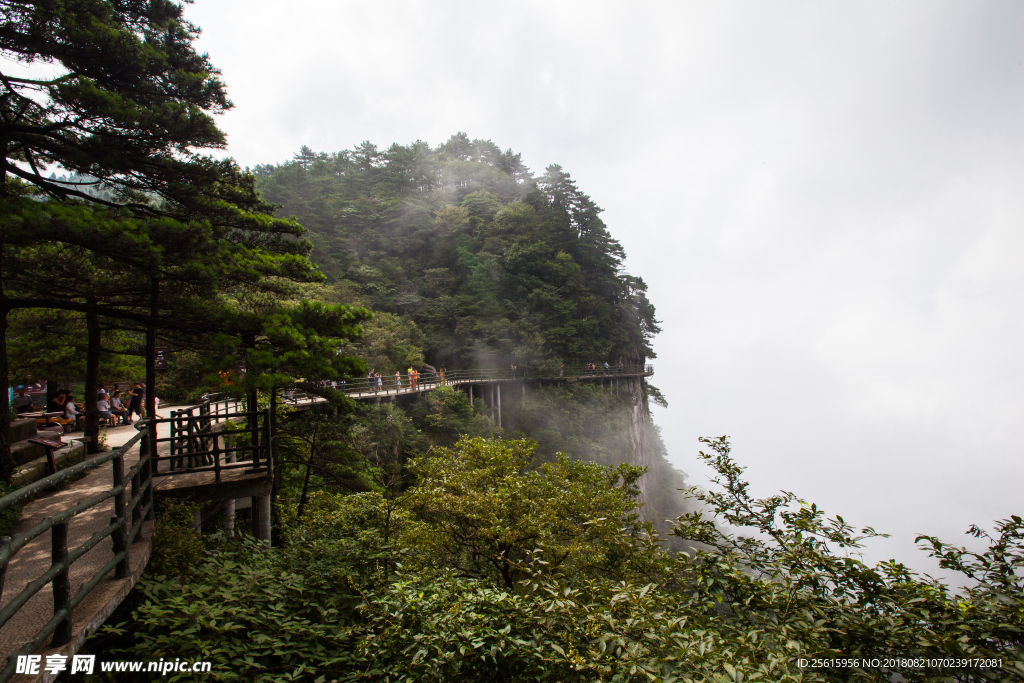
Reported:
(493, 265)
(469, 260)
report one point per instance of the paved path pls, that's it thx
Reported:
(34, 559)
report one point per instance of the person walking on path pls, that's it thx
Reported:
(142, 400)
(443, 370)
(398, 380)
(135, 402)
(513, 371)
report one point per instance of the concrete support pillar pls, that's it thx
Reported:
(261, 515)
(499, 404)
(524, 388)
(228, 519)
(470, 394)
(197, 520)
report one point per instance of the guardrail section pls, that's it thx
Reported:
(133, 503)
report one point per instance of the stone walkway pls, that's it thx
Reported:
(34, 559)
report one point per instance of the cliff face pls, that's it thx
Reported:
(638, 428)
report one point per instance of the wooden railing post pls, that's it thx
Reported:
(120, 535)
(4, 542)
(216, 459)
(268, 440)
(146, 481)
(61, 582)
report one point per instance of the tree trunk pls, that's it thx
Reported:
(276, 532)
(92, 376)
(52, 388)
(6, 459)
(305, 495)
(151, 350)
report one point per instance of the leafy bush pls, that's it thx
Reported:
(589, 599)
(177, 546)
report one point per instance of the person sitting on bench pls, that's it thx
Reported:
(71, 413)
(22, 403)
(103, 408)
(117, 408)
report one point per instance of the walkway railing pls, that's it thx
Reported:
(133, 503)
(404, 382)
(195, 446)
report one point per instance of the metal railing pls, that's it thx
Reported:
(406, 383)
(132, 493)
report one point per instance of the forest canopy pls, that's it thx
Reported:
(491, 263)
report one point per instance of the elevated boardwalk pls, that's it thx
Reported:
(390, 386)
(85, 533)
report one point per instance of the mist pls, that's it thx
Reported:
(825, 201)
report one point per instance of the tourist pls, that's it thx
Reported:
(118, 409)
(22, 402)
(103, 408)
(561, 369)
(72, 413)
(398, 380)
(142, 400)
(442, 371)
(135, 401)
(513, 371)
(380, 382)
(56, 404)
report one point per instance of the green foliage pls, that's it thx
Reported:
(591, 599)
(445, 415)
(177, 545)
(51, 344)
(490, 511)
(491, 264)
(260, 615)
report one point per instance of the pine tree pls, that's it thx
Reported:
(129, 111)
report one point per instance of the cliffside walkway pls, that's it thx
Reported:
(388, 386)
(85, 533)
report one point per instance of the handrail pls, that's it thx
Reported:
(63, 475)
(195, 447)
(424, 380)
(130, 511)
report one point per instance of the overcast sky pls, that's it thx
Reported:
(826, 199)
